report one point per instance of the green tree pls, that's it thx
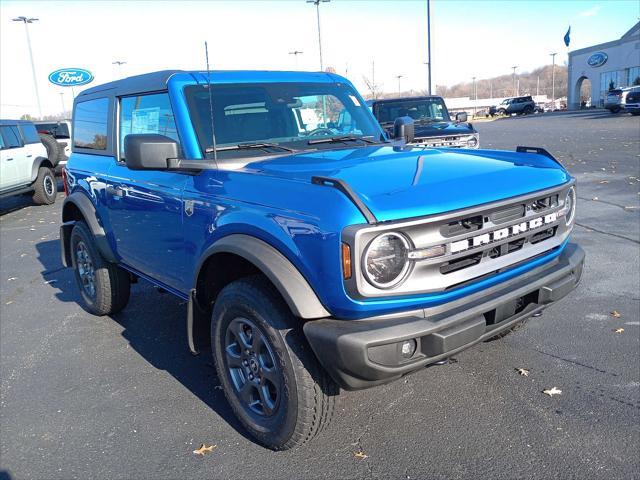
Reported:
(26, 116)
(612, 85)
(636, 81)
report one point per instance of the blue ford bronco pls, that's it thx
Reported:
(313, 254)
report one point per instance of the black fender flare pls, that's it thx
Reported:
(88, 211)
(294, 288)
(37, 163)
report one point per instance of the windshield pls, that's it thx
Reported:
(427, 109)
(294, 115)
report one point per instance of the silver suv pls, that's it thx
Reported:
(616, 99)
(518, 105)
(24, 166)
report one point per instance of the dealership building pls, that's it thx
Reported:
(616, 62)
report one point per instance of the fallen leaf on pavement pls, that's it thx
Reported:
(552, 391)
(616, 314)
(204, 449)
(523, 371)
(604, 181)
(361, 455)
(618, 330)
(594, 198)
(11, 279)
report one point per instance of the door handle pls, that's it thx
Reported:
(9, 159)
(29, 156)
(115, 191)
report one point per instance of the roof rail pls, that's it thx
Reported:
(349, 193)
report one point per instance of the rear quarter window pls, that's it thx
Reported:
(29, 133)
(90, 124)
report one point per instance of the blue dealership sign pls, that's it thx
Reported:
(597, 59)
(70, 77)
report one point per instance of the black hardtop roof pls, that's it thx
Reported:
(402, 99)
(147, 82)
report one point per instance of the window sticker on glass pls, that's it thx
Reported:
(145, 120)
(354, 100)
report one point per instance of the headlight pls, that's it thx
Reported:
(568, 209)
(472, 142)
(386, 260)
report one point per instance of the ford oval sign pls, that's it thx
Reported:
(70, 77)
(597, 59)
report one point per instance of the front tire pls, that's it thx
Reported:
(104, 287)
(45, 187)
(268, 372)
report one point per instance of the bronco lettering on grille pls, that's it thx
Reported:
(503, 233)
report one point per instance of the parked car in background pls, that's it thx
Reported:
(433, 126)
(632, 102)
(616, 99)
(56, 136)
(24, 166)
(518, 105)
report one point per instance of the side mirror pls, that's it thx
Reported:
(149, 151)
(403, 128)
(461, 117)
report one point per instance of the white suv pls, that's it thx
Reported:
(58, 131)
(24, 166)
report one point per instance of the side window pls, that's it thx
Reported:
(11, 136)
(146, 114)
(90, 124)
(29, 133)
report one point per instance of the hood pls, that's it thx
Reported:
(398, 183)
(440, 129)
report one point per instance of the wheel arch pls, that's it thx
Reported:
(37, 163)
(238, 255)
(78, 207)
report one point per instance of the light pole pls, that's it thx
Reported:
(119, 63)
(553, 81)
(428, 77)
(475, 94)
(26, 21)
(514, 80)
(62, 102)
(317, 4)
(295, 54)
(399, 77)
(428, 62)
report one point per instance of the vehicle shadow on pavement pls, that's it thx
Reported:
(154, 324)
(17, 202)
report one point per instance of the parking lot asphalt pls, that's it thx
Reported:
(121, 397)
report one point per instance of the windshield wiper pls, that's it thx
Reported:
(250, 146)
(345, 138)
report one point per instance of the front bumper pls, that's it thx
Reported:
(363, 353)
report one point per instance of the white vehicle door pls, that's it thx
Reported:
(33, 148)
(11, 155)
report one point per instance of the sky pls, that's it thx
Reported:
(468, 38)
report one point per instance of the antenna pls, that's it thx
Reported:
(213, 132)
